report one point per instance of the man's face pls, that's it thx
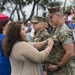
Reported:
(54, 19)
(29, 23)
(36, 26)
(39, 26)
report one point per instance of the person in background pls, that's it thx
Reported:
(24, 56)
(29, 25)
(71, 14)
(65, 17)
(29, 31)
(5, 67)
(61, 58)
(72, 24)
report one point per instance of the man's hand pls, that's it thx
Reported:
(45, 73)
(53, 67)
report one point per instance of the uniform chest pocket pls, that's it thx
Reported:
(56, 40)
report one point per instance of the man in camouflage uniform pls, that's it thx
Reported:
(39, 24)
(61, 60)
(41, 34)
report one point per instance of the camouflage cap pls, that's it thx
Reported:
(53, 10)
(38, 19)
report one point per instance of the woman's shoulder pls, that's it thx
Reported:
(22, 43)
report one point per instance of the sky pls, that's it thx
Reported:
(28, 10)
(68, 2)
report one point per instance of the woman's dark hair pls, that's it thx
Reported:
(12, 36)
(3, 23)
(71, 9)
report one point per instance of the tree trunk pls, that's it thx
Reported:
(24, 16)
(12, 13)
(37, 10)
(65, 4)
(32, 12)
(17, 9)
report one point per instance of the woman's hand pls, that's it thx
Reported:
(50, 42)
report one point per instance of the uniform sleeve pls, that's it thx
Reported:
(31, 53)
(66, 37)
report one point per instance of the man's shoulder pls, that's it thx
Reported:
(64, 28)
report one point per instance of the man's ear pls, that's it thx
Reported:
(42, 23)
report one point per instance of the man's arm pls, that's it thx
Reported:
(69, 49)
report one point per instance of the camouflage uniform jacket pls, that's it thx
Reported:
(61, 36)
(43, 35)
